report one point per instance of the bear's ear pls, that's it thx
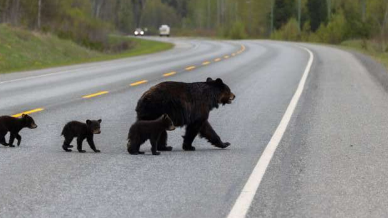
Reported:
(218, 80)
(165, 116)
(88, 122)
(24, 115)
(209, 79)
(99, 120)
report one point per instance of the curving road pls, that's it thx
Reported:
(330, 161)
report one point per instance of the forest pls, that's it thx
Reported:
(88, 22)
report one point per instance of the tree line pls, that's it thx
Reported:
(89, 21)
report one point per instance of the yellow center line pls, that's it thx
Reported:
(217, 59)
(138, 83)
(206, 63)
(95, 94)
(169, 74)
(226, 56)
(241, 50)
(28, 112)
(190, 68)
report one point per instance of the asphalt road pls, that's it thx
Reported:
(331, 161)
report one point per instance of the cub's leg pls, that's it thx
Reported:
(133, 147)
(91, 143)
(19, 138)
(162, 142)
(11, 139)
(154, 144)
(66, 143)
(79, 144)
(2, 138)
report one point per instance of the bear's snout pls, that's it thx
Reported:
(33, 126)
(97, 131)
(231, 98)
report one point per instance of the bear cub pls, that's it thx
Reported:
(75, 129)
(14, 125)
(143, 130)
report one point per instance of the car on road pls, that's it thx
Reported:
(164, 30)
(139, 32)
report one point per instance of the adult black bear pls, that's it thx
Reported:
(81, 131)
(187, 104)
(142, 130)
(14, 125)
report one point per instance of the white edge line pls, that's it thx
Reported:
(35, 77)
(244, 201)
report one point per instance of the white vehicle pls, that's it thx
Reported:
(164, 30)
(139, 32)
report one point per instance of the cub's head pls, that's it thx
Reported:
(94, 126)
(225, 96)
(167, 122)
(28, 121)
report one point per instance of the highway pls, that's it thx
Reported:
(330, 160)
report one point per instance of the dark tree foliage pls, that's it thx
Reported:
(179, 5)
(137, 6)
(317, 10)
(283, 11)
(90, 21)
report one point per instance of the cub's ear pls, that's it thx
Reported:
(218, 80)
(209, 79)
(99, 120)
(165, 116)
(88, 122)
(24, 115)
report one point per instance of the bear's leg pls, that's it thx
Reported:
(91, 143)
(154, 143)
(133, 147)
(66, 144)
(2, 138)
(162, 142)
(191, 132)
(19, 138)
(11, 139)
(79, 144)
(208, 133)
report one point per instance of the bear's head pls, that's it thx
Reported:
(28, 122)
(167, 122)
(226, 96)
(94, 126)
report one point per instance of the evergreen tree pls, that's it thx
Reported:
(283, 11)
(317, 11)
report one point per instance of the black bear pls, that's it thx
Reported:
(187, 104)
(142, 130)
(81, 131)
(14, 125)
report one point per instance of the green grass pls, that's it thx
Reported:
(369, 48)
(24, 50)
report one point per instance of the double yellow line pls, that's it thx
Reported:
(190, 68)
(28, 112)
(139, 82)
(169, 74)
(95, 94)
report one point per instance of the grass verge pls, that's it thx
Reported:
(22, 50)
(367, 47)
